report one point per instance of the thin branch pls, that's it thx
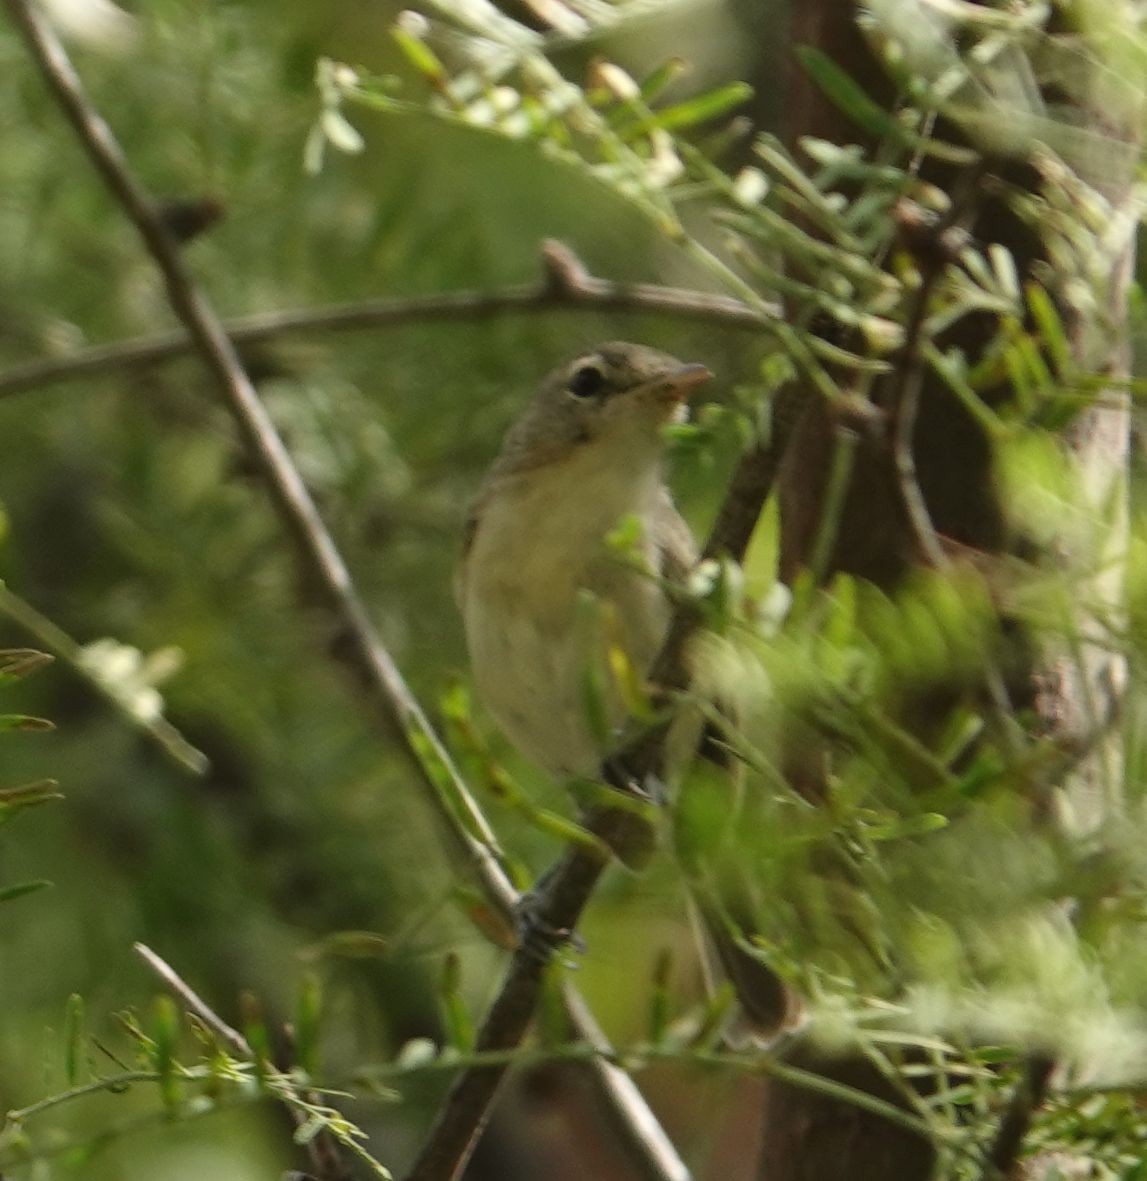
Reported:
(471, 837)
(903, 399)
(565, 286)
(322, 1149)
(1026, 1100)
(166, 736)
(937, 244)
(195, 1003)
(568, 886)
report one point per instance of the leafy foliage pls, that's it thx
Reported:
(918, 898)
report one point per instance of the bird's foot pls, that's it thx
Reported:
(537, 937)
(644, 787)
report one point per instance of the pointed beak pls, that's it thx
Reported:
(680, 383)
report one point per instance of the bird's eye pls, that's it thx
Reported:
(586, 381)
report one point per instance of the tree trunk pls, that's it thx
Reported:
(806, 1136)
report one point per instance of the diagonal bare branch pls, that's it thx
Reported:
(472, 840)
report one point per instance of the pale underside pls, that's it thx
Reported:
(540, 543)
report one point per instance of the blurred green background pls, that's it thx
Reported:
(131, 512)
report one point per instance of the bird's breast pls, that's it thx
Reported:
(531, 634)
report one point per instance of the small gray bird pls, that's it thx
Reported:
(586, 453)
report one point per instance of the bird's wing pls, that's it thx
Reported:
(469, 532)
(673, 542)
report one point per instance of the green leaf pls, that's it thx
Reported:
(308, 1014)
(846, 95)
(550, 1019)
(595, 701)
(73, 1038)
(569, 831)
(19, 662)
(700, 109)
(420, 56)
(165, 1036)
(7, 893)
(454, 701)
(1051, 330)
(24, 722)
(626, 537)
(456, 1020)
(354, 945)
(714, 1016)
(664, 76)
(659, 1001)
(256, 1032)
(28, 795)
(907, 826)
(850, 98)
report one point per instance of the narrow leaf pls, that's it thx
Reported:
(700, 109)
(664, 76)
(1051, 330)
(354, 945)
(24, 722)
(847, 95)
(489, 921)
(73, 1038)
(420, 56)
(659, 1005)
(308, 1011)
(19, 662)
(7, 893)
(28, 795)
(165, 1036)
(456, 1020)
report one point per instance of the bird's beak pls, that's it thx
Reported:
(678, 384)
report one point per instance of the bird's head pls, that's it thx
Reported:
(616, 397)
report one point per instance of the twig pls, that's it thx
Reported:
(936, 243)
(568, 886)
(903, 399)
(939, 242)
(466, 828)
(166, 736)
(1026, 1100)
(565, 286)
(322, 1149)
(194, 1002)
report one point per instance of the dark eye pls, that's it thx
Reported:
(587, 381)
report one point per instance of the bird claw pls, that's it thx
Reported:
(537, 937)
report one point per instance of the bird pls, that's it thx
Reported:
(587, 452)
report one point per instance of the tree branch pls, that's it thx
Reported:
(565, 286)
(1026, 1100)
(322, 1149)
(568, 886)
(472, 840)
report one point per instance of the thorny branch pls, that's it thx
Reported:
(472, 839)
